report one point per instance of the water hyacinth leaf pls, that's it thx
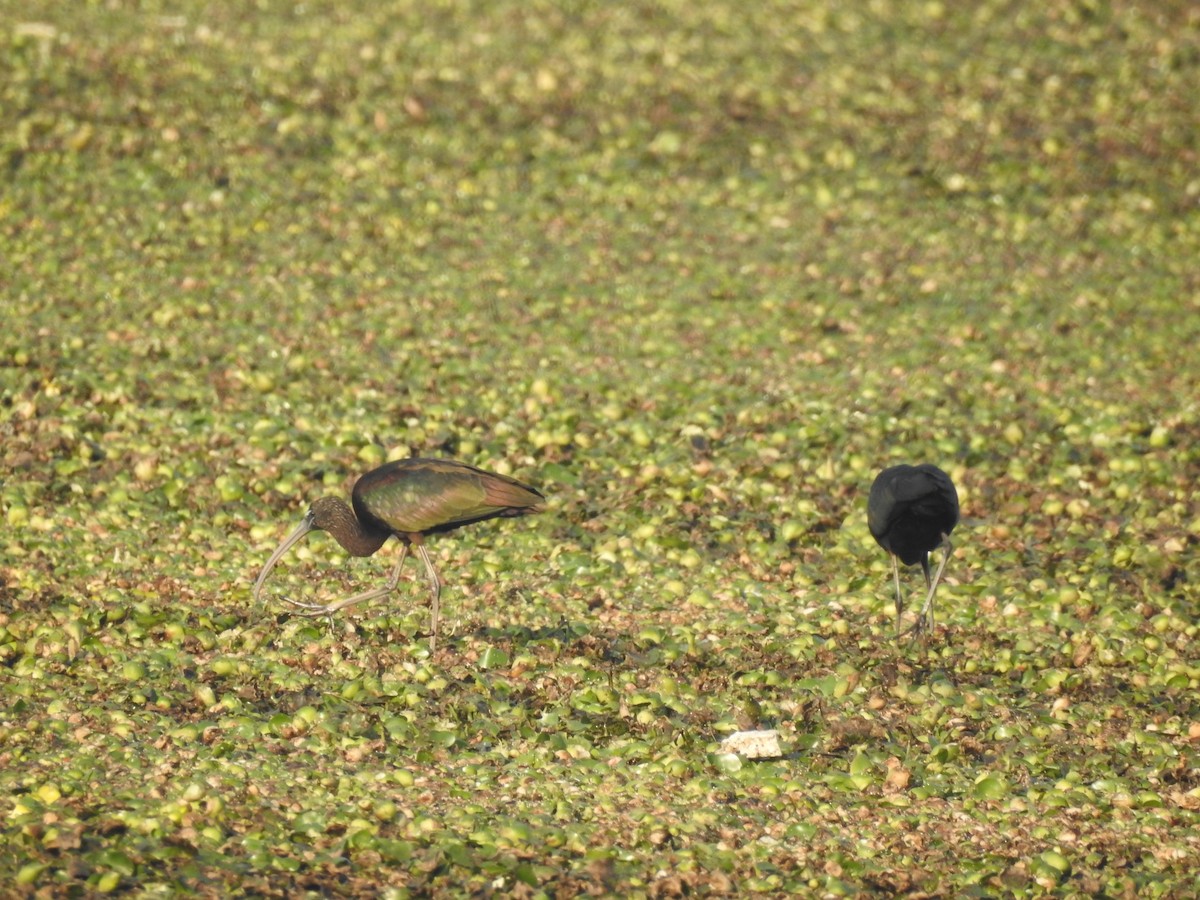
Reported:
(726, 762)
(493, 658)
(989, 787)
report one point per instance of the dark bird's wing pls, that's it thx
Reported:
(429, 495)
(931, 493)
(882, 502)
(923, 491)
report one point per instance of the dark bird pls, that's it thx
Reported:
(408, 498)
(911, 511)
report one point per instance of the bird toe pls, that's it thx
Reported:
(306, 609)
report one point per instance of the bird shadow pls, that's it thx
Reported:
(563, 632)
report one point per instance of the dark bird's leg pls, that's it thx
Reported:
(317, 609)
(899, 596)
(926, 618)
(435, 585)
(924, 625)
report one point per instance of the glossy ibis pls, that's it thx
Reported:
(408, 498)
(911, 511)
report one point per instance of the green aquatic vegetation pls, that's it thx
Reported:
(698, 272)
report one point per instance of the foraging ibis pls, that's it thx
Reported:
(409, 499)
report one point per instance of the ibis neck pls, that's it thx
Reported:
(334, 516)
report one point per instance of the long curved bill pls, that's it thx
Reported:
(302, 529)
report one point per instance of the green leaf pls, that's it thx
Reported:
(493, 658)
(989, 787)
(726, 762)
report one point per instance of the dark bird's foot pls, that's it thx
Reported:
(922, 628)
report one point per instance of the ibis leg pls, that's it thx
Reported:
(927, 607)
(899, 596)
(317, 609)
(435, 585)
